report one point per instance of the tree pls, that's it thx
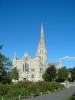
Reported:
(50, 73)
(63, 74)
(73, 72)
(15, 74)
(4, 67)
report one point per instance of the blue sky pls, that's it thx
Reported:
(20, 22)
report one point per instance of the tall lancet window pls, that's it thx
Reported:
(32, 76)
(23, 67)
(40, 51)
(26, 67)
(42, 58)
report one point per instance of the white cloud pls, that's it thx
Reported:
(66, 58)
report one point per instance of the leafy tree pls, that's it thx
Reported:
(63, 74)
(7, 78)
(73, 72)
(15, 74)
(50, 73)
(4, 67)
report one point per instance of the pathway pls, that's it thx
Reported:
(61, 95)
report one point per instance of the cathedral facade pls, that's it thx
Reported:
(32, 69)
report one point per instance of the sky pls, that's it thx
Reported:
(20, 23)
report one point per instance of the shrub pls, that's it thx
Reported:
(72, 97)
(4, 89)
(28, 88)
(43, 87)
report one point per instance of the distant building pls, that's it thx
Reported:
(56, 64)
(32, 69)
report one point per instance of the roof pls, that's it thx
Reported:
(54, 63)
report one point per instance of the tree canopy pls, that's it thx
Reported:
(63, 73)
(15, 74)
(50, 73)
(4, 67)
(73, 72)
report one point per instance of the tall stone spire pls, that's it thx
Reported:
(42, 51)
(42, 35)
(15, 56)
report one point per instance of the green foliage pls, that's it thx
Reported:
(1, 46)
(63, 73)
(50, 74)
(4, 89)
(15, 74)
(73, 72)
(6, 79)
(72, 97)
(25, 89)
(4, 67)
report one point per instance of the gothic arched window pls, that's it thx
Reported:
(26, 67)
(23, 67)
(40, 51)
(40, 69)
(42, 58)
(32, 76)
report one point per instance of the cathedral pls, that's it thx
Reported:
(32, 69)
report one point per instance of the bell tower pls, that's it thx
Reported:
(42, 51)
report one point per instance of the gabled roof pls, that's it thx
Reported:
(26, 56)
